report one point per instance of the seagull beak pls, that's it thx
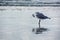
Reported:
(33, 15)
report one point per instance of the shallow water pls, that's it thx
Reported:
(16, 23)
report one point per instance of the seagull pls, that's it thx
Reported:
(40, 16)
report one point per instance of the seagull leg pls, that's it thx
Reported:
(39, 23)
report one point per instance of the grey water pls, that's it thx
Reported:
(30, 3)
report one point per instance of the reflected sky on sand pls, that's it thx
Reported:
(16, 23)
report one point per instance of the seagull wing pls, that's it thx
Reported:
(40, 15)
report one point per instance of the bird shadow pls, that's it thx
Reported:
(39, 30)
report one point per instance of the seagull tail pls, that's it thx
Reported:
(49, 18)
